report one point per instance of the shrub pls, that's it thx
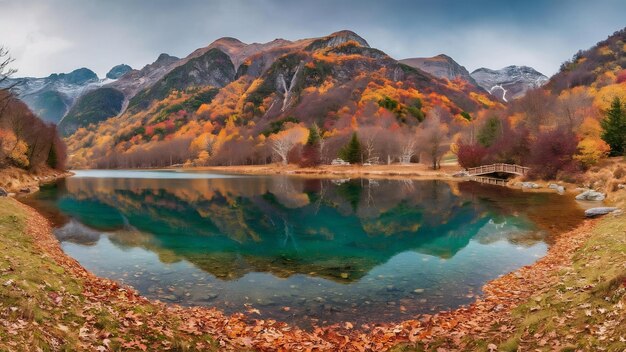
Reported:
(553, 152)
(471, 155)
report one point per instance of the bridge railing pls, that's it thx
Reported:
(508, 168)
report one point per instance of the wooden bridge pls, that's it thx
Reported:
(493, 168)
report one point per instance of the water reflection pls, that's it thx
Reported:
(306, 243)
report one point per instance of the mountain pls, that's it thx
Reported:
(244, 92)
(600, 66)
(509, 83)
(51, 97)
(442, 66)
(118, 71)
(112, 98)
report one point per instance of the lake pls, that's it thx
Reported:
(302, 250)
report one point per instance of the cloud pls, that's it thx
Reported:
(63, 35)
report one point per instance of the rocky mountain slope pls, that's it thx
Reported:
(52, 97)
(509, 83)
(442, 66)
(257, 87)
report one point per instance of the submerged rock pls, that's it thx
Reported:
(461, 174)
(593, 212)
(591, 195)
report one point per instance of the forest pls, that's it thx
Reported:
(26, 142)
(559, 130)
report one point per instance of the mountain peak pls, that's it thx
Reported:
(348, 35)
(118, 71)
(163, 58)
(441, 66)
(510, 82)
(78, 76)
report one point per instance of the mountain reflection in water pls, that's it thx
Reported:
(323, 247)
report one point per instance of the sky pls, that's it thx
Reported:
(48, 36)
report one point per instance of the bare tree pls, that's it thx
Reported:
(434, 133)
(284, 141)
(5, 73)
(407, 147)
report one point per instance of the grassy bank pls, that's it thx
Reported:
(48, 302)
(574, 299)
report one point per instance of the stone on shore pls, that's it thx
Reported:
(591, 195)
(593, 212)
(3, 192)
(531, 185)
(462, 173)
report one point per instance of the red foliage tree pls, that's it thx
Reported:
(471, 155)
(621, 77)
(552, 152)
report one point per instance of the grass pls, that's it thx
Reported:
(584, 311)
(43, 302)
(587, 309)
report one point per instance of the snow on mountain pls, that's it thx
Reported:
(509, 83)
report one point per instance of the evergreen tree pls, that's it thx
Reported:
(489, 133)
(351, 152)
(614, 128)
(311, 155)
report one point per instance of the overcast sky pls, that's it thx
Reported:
(47, 36)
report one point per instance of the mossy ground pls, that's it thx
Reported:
(49, 305)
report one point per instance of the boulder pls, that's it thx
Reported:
(528, 185)
(557, 188)
(621, 186)
(3, 192)
(591, 195)
(593, 212)
(462, 173)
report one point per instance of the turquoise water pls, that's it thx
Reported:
(302, 250)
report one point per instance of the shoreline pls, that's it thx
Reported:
(21, 182)
(425, 329)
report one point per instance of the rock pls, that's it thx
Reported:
(621, 186)
(462, 173)
(24, 190)
(593, 212)
(561, 189)
(591, 195)
(3, 192)
(531, 185)
(553, 186)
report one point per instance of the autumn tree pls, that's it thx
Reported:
(434, 134)
(352, 152)
(614, 127)
(283, 141)
(552, 152)
(470, 155)
(311, 152)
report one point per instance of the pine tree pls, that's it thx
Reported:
(311, 155)
(614, 128)
(490, 132)
(351, 152)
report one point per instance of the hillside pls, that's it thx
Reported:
(441, 66)
(220, 103)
